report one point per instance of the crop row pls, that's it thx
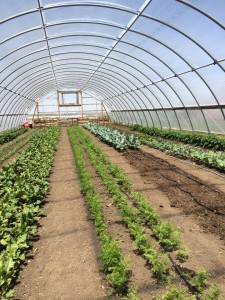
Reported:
(113, 263)
(214, 159)
(113, 137)
(20, 143)
(166, 235)
(14, 141)
(23, 186)
(209, 158)
(158, 262)
(207, 141)
(10, 135)
(170, 238)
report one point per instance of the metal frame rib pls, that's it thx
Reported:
(134, 19)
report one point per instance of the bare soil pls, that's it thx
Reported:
(183, 190)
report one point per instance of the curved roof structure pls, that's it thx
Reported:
(156, 62)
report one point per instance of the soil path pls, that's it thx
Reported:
(65, 257)
(206, 250)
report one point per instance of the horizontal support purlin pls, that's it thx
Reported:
(173, 108)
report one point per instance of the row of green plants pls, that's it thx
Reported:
(23, 186)
(159, 262)
(113, 137)
(209, 158)
(23, 141)
(181, 294)
(8, 145)
(10, 135)
(113, 263)
(166, 234)
(207, 141)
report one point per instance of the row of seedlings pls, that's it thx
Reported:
(9, 149)
(112, 260)
(9, 135)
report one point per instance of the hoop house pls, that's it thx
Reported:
(158, 63)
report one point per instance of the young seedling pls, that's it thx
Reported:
(200, 279)
(182, 254)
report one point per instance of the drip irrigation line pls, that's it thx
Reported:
(182, 172)
(199, 202)
(176, 267)
(197, 166)
(184, 160)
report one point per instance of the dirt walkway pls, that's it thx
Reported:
(65, 261)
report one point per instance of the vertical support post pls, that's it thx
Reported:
(35, 111)
(81, 102)
(106, 112)
(101, 109)
(58, 102)
(38, 115)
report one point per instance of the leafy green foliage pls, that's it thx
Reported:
(165, 232)
(113, 264)
(200, 279)
(131, 295)
(112, 137)
(19, 145)
(175, 294)
(207, 141)
(168, 235)
(209, 158)
(213, 293)
(15, 141)
(10, 135)
(182, 254)
(23, 186)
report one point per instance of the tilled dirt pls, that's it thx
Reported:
(185, 191)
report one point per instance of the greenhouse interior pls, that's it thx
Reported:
(112, 123)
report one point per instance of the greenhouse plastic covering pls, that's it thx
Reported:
(158, 62)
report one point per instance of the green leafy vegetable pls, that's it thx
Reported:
(112, 137)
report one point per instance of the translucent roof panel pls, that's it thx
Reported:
(179, 16)
(156, 62)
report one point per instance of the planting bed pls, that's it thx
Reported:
(11, 149)
(185, 191)
(105, 200)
